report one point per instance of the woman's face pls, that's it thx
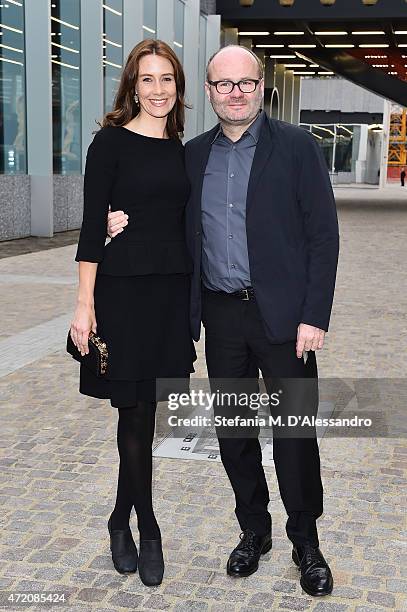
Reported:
(156, 87)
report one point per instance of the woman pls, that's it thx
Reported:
(134, 292)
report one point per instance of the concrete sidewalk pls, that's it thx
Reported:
(356, 195)
(59, 458)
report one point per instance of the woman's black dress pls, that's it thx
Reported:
(143, 279)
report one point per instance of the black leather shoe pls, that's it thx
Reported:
(244, 559)
(151, 562)
(124, 550)
(316, 577)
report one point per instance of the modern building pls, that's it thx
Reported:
(60, 62)
(337, 68)
(347, 121)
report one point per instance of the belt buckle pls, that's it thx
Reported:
(246, 298)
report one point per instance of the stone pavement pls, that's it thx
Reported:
(9, 248)
(59, 458)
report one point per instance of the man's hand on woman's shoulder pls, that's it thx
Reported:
(116, 222)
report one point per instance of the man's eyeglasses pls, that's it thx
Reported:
(226, 87)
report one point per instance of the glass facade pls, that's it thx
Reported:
(65, 51)
(179, 9)
(112, 49)
(344, 147)
(66, 86)
(13, 157)
(51, 59)
(339, 144)
(149, 19)
(326, 138)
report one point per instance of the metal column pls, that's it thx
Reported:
(296, 100)
(212, 45)
(269, 79)
(165, 21)
(279, 84)
(384, 158)
(288, 96)
(91, 71)
(246, 42)
(191, 63)
(132, 25)
(229, 36)
(37, 14)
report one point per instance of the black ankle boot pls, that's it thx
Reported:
(124, 550)
(151, 562)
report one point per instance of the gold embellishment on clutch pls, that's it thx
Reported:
(102, 348)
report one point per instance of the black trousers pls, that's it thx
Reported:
(236, 346)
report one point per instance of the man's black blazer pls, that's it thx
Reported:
(291, 224)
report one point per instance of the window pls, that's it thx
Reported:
(339, 144)
(149, 19)
(179, 9)
(66, 86)
(13, 157)
(112, 49)
(343, 148)
(325, 135)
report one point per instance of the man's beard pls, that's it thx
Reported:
(250, 115)
(246, 118)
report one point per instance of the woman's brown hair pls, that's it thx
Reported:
(125, 107)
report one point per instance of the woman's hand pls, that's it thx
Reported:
(84, 321)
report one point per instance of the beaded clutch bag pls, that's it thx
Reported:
(96, 359)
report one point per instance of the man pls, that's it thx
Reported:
(402, 176)
(263, 233)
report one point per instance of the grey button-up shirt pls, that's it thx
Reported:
(225, 260)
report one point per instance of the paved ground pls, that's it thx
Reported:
(59, 460)
(11, 248)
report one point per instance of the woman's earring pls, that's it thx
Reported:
(136, 98)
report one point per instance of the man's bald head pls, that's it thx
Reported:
(235, 53)
(236, 65)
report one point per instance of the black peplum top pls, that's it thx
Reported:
(145, 177)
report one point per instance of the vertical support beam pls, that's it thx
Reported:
(360, 155)
(333, 168)
(165, 21)
(260, 55)
(212, 45)
(269, 78)
(288, 96)
(91, 71)
(132, 25)
(275, 103)
(279, 85)
(296, 114)
(269, 72)
(229, 36)
(385, 143)
(191, 63)
(246, 42)
(37, 15)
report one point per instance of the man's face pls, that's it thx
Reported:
(235, 108)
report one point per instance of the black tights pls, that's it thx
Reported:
(135, 433)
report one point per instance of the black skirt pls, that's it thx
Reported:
(144, 321)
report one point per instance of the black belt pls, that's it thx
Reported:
(242, 294)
